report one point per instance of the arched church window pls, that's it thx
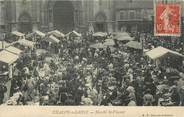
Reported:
(100, 17)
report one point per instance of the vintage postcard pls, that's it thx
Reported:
(109, 58)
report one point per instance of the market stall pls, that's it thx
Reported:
(18, 34)
(13, 50)
(134, 45)
(109, 42)
(8, 58)
(56, 33)
(74, 36)
(117, 35)
(99, 34)
(93, 73)
(53, 39)
(39, 33)
(163, 55)
(124, 38)
(26, 43)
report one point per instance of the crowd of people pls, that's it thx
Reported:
(75, 74)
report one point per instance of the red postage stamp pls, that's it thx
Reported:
(167, 21)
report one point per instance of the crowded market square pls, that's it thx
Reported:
(61, 65)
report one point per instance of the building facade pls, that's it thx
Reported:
(67, 15)
(133, 15)
(2, 18)
(28, 15)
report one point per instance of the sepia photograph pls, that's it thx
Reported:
(92, 53)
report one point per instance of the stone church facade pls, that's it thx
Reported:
(68, 15)
(28, 15)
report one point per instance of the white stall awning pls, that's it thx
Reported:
(19, 34)
(13, 50)
(53, 39)
(26, 43)
(99, 34)
(8, 57)
(56, 33)
(39, 33)
(161, 51)
(74, 34)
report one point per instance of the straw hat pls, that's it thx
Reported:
(76, 57)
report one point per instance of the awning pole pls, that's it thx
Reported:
(3, 44)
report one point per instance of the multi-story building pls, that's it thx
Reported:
(2, 17)
(67, 15)
(101, 15)
(133, 15)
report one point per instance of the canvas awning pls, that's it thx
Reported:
(13, 50)
(68, 34)
(99, 34)
(26, 43)
(74, 34)
(39, 33)
(53, 39)
(8, 57)
(161, 51)
(19, 34)
(97, 46)
(57, 33)
(109, 42)
(125, 38)
(120, 34)
(134, 44)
